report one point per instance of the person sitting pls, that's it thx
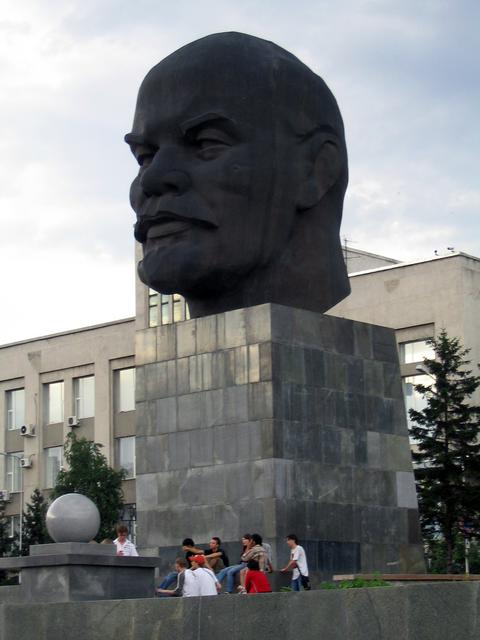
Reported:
(256, 581)
(187, 584)
(124, 546)
(215, 556)
(255, 551)
(171, 578)
(207, 582)
(231, 571)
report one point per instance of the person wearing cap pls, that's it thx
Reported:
(207, 582)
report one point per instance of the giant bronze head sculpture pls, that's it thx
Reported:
(243, 170)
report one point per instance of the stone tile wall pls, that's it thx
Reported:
(276, 420)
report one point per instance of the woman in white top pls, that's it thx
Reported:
(123, 544)
(208, 584)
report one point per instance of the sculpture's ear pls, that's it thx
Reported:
(323, 168)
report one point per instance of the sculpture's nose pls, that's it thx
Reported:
(155, 182)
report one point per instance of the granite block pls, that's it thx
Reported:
(183, 376)
(241, 365)
(253, 363)
(146, 417)
(214, 407)
(166, 415)
(186, 338)
(258, 324)
(178, 451)
(374, 377)
(166, 342)
(362, 337)
(266, 356)
(259, 401)
(406, 491)
(206, 334)
(201, 447)
(191, 411)
(151, 456)
(235, 334)
(145, 346)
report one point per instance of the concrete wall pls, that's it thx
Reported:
(415, 612)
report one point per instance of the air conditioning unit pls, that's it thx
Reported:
(28, 430)
(25, 463)
(73, 421)
(4, 495)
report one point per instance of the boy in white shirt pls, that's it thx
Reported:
(187, 583)
(123, 544)
(206, 579)
(298, 561)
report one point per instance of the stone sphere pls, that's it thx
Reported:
(73, 518)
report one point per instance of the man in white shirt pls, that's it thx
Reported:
(207, 582)
(298, 562)
(123, 544)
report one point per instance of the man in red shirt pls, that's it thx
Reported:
(256, 581)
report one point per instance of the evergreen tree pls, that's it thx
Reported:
(89, 473)
(447, 446)
(5, 540)
(34, 527)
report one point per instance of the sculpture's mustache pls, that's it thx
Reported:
(189, 212)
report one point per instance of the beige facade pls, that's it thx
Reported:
(49, 382)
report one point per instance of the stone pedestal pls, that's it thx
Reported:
(276, 420)
(76, 571)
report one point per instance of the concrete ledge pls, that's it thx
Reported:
(411, 612)
(27, 562)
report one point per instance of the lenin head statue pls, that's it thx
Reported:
(242, 175)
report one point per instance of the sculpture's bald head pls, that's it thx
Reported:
(242, 177)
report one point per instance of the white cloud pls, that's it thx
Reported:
(403, 73)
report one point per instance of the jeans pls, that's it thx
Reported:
(295, 584)
(169, 580)
(230, 572)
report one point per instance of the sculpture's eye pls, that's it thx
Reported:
(211, 142)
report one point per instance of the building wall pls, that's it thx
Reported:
(99, 351)
(419, 299)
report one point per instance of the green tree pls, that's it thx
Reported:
(34, 527)
(7, 546)
(88, 473)
(447, 446)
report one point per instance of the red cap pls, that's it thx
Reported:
(199, 559)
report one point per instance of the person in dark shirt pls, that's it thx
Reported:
(171, 578)
(256, 581)
(216, 557)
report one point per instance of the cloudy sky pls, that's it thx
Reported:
(405, 74)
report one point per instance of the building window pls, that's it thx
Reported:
(53, 402)
(413, 399)
(53, 459)
(165, 309)
(125, 389)
(84, 390)
(415, 351)
(152, 308)
(15, 408)
(126, 455)
(14, 472)
(128, 516)
(13, 526)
